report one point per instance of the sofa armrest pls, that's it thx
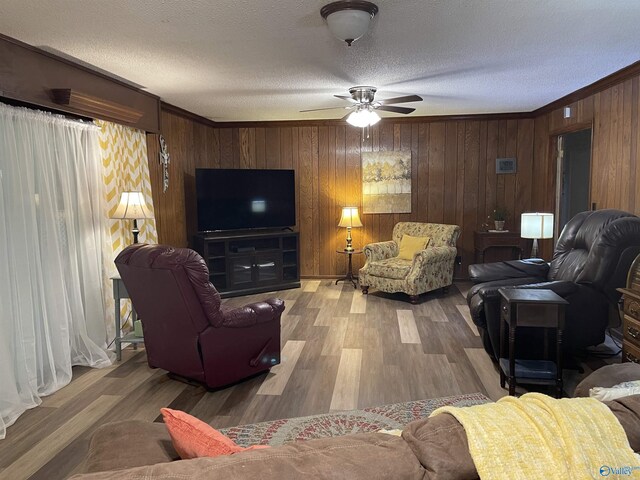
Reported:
(434, 255)
(357, 456)
(380, 250)
(607, 377)
(489, 272)
(424, 260)
(127, 444)
(487, 293)
(252, 314)
(489, 290)
(478, 295)
(563, 288)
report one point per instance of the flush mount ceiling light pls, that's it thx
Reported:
(349, 20)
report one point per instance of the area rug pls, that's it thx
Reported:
(345, 422)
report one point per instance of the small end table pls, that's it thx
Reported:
(522, 307)
(498, 246)
(349, 276)
(120, 293)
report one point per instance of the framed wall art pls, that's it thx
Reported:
(386, 182)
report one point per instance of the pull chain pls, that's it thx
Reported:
(367, 127)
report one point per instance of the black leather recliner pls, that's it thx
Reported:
(591, 259)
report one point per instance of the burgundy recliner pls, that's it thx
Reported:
(186, 329)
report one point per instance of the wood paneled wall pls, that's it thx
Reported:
(453, 160)
(613, 113)
(453, 171)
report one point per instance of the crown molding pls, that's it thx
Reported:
(94, 106)
(169, 108)
(412, 119)
(75, 65)
(609, 81)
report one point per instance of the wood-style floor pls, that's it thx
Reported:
(340, 350)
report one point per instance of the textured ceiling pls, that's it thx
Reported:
(233, 60)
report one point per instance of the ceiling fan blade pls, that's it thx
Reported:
(345, 97)
(328, 108)
(345, 117)
(391, 108)
(406, 99)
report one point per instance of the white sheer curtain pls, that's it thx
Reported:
(51, 234)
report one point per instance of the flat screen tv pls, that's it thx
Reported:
(238, 199)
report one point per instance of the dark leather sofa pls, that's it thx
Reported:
(187, 330)
(591, 259)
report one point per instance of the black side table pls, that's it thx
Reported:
(349, 276)
(521, 307)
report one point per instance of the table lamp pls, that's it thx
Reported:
(132, 206)
(350, 219)
(535, 226)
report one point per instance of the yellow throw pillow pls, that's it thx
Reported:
(410, 245)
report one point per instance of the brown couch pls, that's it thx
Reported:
(429, 449)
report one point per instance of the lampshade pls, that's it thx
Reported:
(132, 206)
(536, 225)
(349, 20)
(350, 217)
(363, 118)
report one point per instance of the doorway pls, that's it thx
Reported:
(574, 175)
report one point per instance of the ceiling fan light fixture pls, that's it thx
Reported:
(349, 20)
(363, 118)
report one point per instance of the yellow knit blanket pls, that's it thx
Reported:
(538, 437)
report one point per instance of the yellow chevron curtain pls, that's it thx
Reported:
(125, 168)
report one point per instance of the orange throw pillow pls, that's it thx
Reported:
(192, 438)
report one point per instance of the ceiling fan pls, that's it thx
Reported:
(363, 106)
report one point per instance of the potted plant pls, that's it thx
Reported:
(500, 215)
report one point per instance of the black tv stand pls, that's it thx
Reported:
(242, 263)
(287, 229)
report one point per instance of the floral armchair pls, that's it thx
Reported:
(430, 269)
